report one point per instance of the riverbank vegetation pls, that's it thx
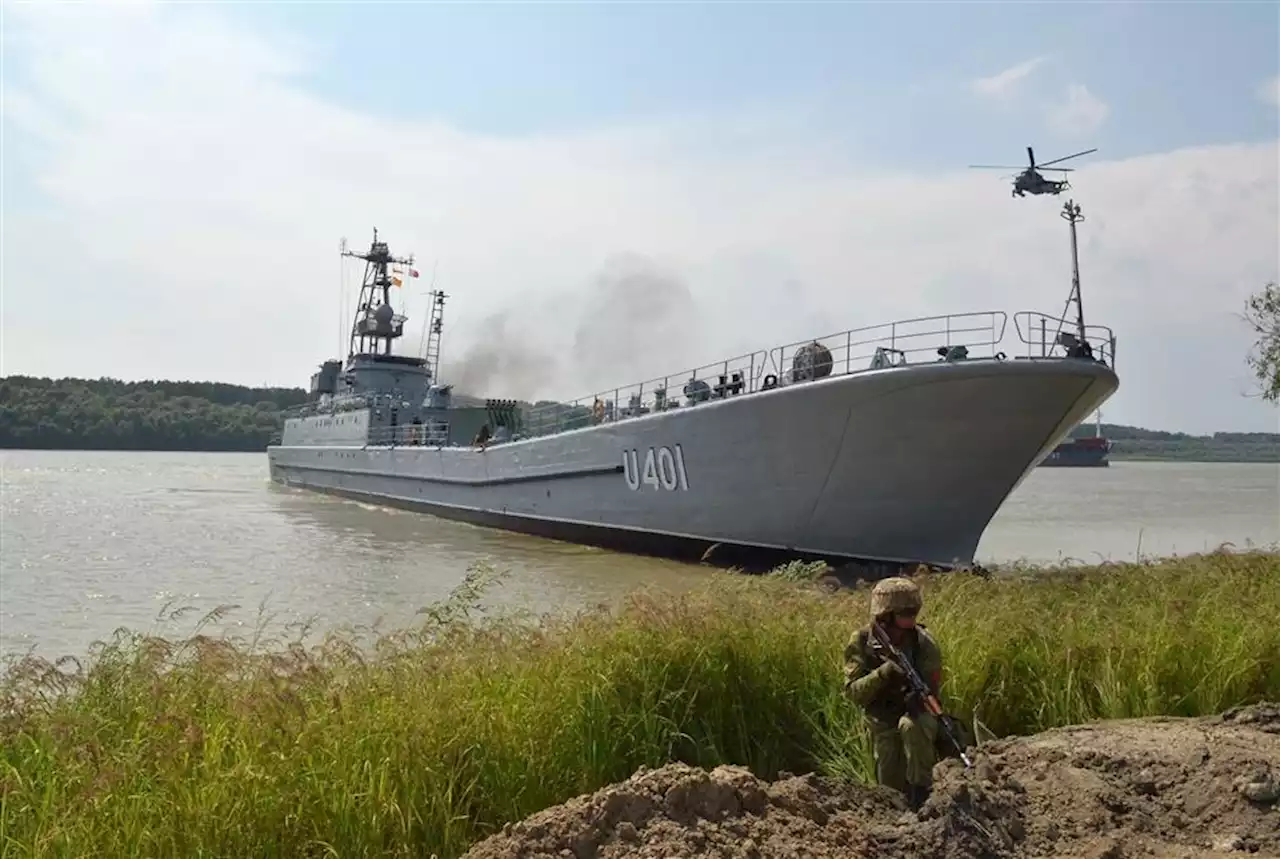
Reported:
(1135, 443)
(106, 414)
(436, 735)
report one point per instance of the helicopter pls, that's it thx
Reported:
(1029, 181)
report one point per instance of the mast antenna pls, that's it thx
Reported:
(1072, 215)
(342, 291)
(422, 340)
(436, 333)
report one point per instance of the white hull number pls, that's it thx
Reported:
(663, 468)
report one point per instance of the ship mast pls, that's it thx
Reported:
(435, 332)
(1071, 213)
(376, 323)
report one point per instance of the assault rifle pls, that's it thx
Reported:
(930, 701)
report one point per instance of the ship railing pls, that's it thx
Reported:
(349, 403)
(1047, 336)
(907, 341)
(409, 435)
(329, 406)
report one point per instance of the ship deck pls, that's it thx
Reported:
(919, 341)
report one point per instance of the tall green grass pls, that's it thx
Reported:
(214, 747)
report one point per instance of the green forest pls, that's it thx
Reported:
(108, 414)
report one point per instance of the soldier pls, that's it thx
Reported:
(903, 732)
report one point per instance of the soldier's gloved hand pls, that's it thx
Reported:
(889, 668)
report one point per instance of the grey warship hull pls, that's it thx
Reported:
(903, 464)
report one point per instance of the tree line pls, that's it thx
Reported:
(108, 414)
(1137, 443)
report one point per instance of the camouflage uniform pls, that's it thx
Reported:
(903, 733)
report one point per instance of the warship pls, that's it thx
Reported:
(894, 443)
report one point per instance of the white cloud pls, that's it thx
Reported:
(1269, 91)
(1004, 83)
(194, 197)
(1081, 113)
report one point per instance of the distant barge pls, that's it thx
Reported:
(1093, 452)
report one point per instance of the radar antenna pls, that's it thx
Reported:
(376, 323)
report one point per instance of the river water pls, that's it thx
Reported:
(92, 541)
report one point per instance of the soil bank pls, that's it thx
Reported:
(1165, 787)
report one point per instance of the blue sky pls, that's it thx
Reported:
(776, 172)
(890, 75)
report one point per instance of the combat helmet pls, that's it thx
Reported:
(894, 594)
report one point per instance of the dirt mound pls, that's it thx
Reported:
(1111, 790)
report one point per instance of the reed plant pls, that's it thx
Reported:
(427, 739)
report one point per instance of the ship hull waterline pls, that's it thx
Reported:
(903, 465)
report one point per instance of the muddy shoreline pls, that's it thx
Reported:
(1166, 787)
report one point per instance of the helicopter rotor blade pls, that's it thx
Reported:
(1031, 156)
(1067, 157)
(1058, 169)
